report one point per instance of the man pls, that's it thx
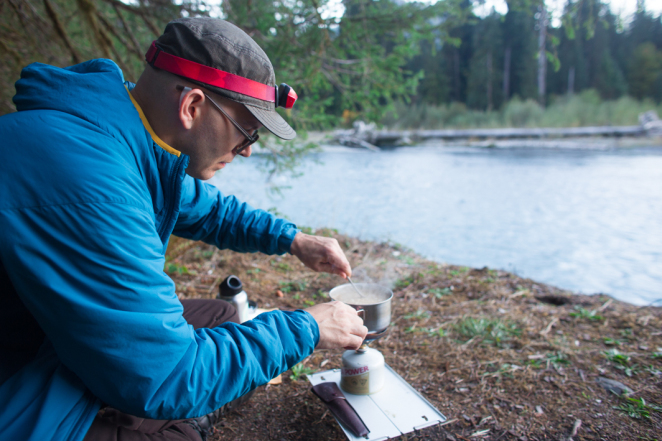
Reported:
(96, 175)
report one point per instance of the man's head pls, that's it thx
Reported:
(208, 84)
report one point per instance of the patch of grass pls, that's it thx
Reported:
(295, 286)
(309, 302)
(320, 294)
(657, 354)
(207, 253)
(504, 371)
(581, 109)
(440, 292)
(611, 342)
(557, 359)
(175, 268)
(622, 362)
(404, 282)
(627, 332)
(420, 314)
(616, 357)
(408, 260)
(300, 371)
(489, 331)
(283, 267)
(435, 332)
(536, 364)
(637, 408)
(461, 271)
(586, 314)
(410, 329)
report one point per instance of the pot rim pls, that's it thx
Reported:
(390, 292)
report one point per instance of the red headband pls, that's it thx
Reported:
(216, 77)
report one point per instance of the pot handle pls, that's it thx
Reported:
(361, 313)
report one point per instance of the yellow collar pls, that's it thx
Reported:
(155, 137)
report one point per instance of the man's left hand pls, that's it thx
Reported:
(321, 254)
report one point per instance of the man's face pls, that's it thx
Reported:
(213, 140)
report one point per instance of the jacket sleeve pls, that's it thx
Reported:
(92, 276)
(207, 215)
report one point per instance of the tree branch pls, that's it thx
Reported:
(59, 29)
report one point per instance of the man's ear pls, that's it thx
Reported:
(190, 104)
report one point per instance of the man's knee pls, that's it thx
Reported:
(209, 313)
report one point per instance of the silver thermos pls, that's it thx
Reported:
(232, 291)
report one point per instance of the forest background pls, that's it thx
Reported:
(402, 64)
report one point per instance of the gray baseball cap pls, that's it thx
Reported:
(219, 56)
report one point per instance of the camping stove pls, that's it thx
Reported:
(363, 370)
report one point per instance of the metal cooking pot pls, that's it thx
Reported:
(376, 304)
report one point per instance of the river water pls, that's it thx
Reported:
(585, 220)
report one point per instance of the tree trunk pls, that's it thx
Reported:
(506, 74)
(489, 81)
(542, 54)
(456, 73)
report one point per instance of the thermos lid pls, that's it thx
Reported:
(231, 286)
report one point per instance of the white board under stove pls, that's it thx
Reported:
(393, 411)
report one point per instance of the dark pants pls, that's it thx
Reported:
(112, 425)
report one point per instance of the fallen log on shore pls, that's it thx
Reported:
(366, 136)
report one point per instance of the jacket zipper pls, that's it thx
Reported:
(171, 200)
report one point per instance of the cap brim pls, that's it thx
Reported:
(273, 122)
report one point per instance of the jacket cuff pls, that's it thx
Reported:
(314, 327)
(285, 240)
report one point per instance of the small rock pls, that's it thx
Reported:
(279, 293)
(539, 410)
(614, 386)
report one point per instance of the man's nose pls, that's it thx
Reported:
(246, 152)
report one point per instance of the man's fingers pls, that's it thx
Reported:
(354, 342)
(333, 269)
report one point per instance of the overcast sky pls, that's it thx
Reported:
(624, 8)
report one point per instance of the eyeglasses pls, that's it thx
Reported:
(250, 139)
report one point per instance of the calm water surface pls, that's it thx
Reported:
(590, 221)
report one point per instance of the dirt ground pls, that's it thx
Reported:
(502, 357)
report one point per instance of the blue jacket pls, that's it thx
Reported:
(89, 196)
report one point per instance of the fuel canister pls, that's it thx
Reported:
(362, 372)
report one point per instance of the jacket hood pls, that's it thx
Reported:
(93, 90)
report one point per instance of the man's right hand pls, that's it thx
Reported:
(339, 324)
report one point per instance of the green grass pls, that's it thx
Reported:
(622, 362)
(295, 286)
(440, 292)
(300, 371)
(583, 109)
(611, 342)
(404, 282)
(489, 331)
(175, 268)
(637, 408)
(586, 314)
(420, 314)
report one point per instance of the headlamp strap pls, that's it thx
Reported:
(281, 96)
